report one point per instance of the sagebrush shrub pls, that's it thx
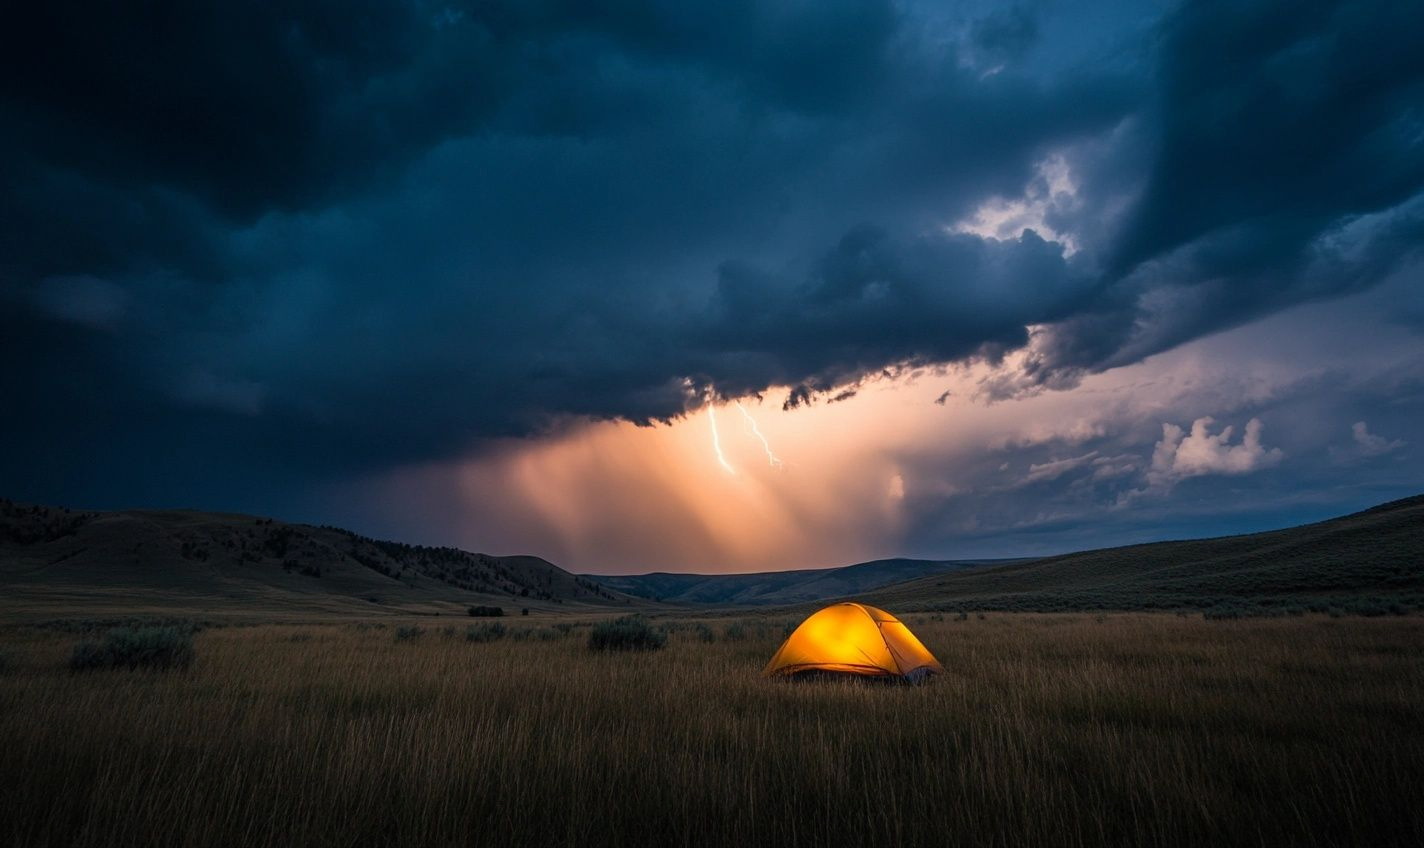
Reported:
(484, 632)
(735, 632)
(629, 633)
(538, 634)
(133, 648)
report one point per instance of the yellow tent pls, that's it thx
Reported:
(853, 639)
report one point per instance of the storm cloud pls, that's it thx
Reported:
(253, 247)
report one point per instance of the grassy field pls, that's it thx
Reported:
(1061, 730)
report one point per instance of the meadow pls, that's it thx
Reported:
(1143, 729)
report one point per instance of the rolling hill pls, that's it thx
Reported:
(1371, 561)
(58, 563)
(55, 560)
(779, 587)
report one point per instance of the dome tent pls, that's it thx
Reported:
(853, 639)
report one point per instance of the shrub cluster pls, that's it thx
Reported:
(735, 632)
(133, 648)
(538, 634)
(486, 612)
(408, 632)
(629, 633)
(490, 632)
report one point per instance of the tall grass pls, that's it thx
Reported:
(1047, 730)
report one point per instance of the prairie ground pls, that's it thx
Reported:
(1045, 730)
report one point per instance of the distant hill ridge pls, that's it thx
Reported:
(781, 587)
(198, 558)
(55, 561)
(1371, 562)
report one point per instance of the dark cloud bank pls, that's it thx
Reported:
(246, 246)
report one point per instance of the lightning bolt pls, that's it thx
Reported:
(771, 458)
(717, 440)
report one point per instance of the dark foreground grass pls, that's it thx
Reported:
(1133, 729)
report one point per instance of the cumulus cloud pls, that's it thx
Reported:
(1179, 454)
(1370, 444)
(1365, 445)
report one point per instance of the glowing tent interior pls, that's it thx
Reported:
(853, 639)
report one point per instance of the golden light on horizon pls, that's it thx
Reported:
(815, 486)
(797, 488)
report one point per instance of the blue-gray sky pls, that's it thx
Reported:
(336, 261)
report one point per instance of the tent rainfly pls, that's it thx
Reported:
(853, 639)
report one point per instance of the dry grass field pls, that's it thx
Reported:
(1046, 730)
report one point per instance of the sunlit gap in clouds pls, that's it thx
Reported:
(822, 485)
(701, 494)
(813, 486)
